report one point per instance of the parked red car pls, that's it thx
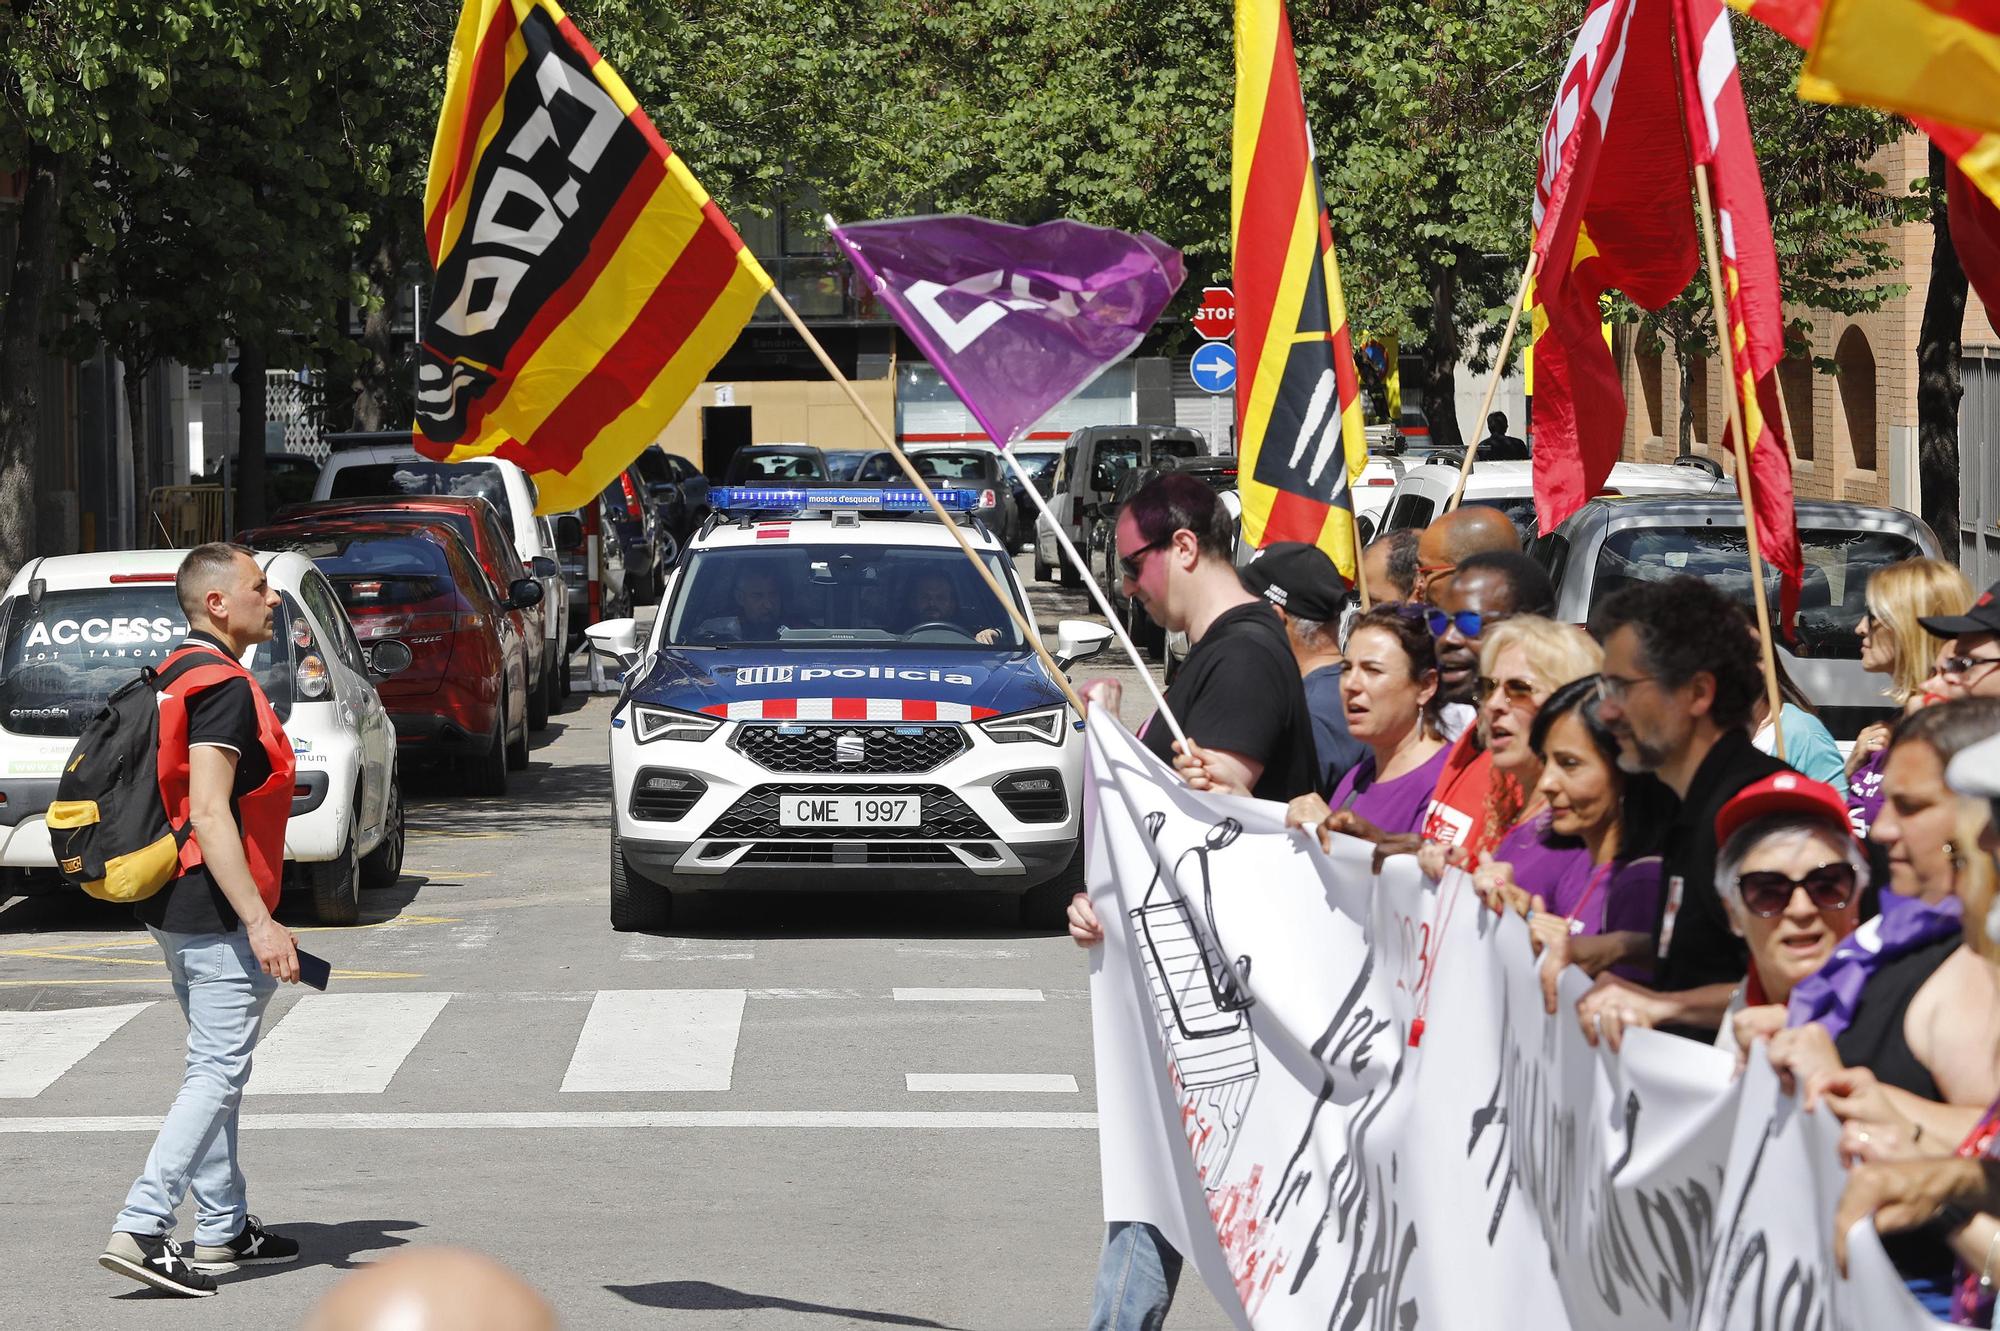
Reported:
(464, 696)
(478, 525)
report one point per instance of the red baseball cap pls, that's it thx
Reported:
(1781, 792)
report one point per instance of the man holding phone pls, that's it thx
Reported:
(226, 770)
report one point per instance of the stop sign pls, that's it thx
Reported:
(1215, 317)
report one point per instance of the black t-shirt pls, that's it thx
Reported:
(224, 714)
(1697, 946)
(1239, 690)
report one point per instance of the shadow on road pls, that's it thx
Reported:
(704, 1296)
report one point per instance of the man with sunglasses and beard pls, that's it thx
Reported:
(1973, 657)
(1681, 679)
(1239, 697)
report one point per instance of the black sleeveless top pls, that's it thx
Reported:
(1875, 1040)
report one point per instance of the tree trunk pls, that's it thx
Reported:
(36, 263)
(1939, 386)
(1684, 431)
(377, 394)
(144, 533)
(1441, 355)
(250, 438)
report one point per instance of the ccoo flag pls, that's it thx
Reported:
(1298, 393)
(1016, 318)
(585, 282)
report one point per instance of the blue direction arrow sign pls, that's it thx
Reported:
(1214, 367)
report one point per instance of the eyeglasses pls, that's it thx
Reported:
(1955, 667)
(1767, 892)
(1133, 564)
(1517, 690)
(1614, 688)
(1470, 623)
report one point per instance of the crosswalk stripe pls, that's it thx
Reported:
(1037, 1082)
(342, 1044)
(38, 1047)
(968, 995)
(531, 1121)
(658, 1040)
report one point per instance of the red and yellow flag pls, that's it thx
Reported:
(1719, 134)
(585, 282)
(1933, 58)
(1298, 394)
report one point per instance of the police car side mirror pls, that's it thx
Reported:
(1079, 639)
(617, 639)
(388, 657)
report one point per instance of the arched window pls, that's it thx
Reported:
(1855, 362)
(1795, 380)
(1649, 392)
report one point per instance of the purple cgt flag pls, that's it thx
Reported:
(1016, 318)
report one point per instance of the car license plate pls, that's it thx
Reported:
(850, 811)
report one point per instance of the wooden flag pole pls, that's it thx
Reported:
(1096, 592)
(1725, 338)
(1493, 380)
(1021, 623)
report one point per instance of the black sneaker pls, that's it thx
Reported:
(154, 1261)
(255, 1246)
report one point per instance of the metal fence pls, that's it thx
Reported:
(182, 516)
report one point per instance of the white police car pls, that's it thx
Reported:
(830, 697)
(75, 627)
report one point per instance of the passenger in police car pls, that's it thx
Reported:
(759, 597)
(934, 600)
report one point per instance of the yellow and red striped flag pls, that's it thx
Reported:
(1298, 393)
(585, 282)
(1934, 58)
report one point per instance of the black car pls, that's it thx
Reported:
(678, 489)
(979, 470)
(780, 464)
(649, 550)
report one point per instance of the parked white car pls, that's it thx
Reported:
(1426, 488)
(75, 627)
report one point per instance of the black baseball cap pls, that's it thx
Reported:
(1982, 616)
(1300, 579)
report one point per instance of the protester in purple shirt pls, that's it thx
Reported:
(1390, 692)
(1583, 872)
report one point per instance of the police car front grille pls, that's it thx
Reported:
(754, 817)
(853, 853)
(885, 749)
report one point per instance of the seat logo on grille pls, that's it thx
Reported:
(849, 748)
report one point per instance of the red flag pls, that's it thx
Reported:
(1719, 133)
(1975, 234)
(1610, 211)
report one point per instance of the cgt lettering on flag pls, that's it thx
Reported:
(585, 283)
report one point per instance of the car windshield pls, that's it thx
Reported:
(1176, 448)
(1039, 466)
(956, 465)
(834, 594)
(458, 522)
(1838, 566)
(842, 463)
(372, 570)
(421, 477)
(65, 654)
(748, 466)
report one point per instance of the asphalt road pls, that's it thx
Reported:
(793, 1111)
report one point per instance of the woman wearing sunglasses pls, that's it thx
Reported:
(1895, 644)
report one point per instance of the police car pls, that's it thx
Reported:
(75, 627)
(830, 697)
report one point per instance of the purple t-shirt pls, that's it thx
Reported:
(1864, 792)
(1397, 805)
(1559, 871)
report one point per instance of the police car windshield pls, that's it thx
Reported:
(419, 477)
(834, 594)
(64, 655)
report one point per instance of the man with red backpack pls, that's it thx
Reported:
(225, 775)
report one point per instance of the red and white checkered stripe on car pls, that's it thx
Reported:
(848, 709)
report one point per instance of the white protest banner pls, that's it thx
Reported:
(1262, 1103)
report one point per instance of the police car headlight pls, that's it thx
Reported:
(1045, 725)
(650, 723)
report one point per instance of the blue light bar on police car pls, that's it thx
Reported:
(862, 498)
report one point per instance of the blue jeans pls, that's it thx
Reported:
(223, 994)
(1135, 1279)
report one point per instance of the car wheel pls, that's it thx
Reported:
(517, 750)
(636, 904)
(1043, 572)
(1069, 576)
(538, 707)
(554, 679)
(1046, 905)
(336, 887)
(382, 866)
(486, 773)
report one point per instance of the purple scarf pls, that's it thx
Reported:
(1830, 995)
